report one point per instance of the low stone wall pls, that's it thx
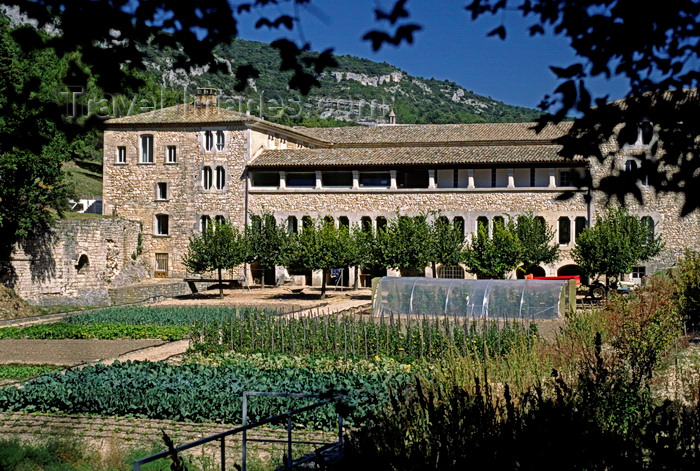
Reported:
(147, 292)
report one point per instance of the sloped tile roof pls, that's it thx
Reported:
(357, 157)
(437, 133)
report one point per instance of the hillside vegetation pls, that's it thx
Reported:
(357, 90)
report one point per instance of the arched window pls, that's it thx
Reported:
(366, 223)
(580, 224)
(204, 223)
(206, 177)
(292, 225)
(459, 225)
(381, 223)
(343, 221)
(208, 140)
(220, 140)
(482, 221)
(220, 178)
(454, 272)
(220, 220)
(648, 221)
(564, 230)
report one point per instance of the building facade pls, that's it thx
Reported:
(178, 169)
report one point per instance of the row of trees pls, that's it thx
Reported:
(611, 247)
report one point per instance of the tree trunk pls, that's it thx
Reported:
(323, 283)
(434, 270)
(356, 283)
(221, 285)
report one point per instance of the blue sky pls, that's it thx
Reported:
(450, 46)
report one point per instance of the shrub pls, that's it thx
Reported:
(686, 277)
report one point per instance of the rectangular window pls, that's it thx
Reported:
(375, 179)
(268, 179)
(220, 140)
(533, 179)
(204, 223)
(162, 224)
(305, 179)
(565, 178)
(639, 272)
(418, 178)
(162, 191)
(172, 155)
(206, 177)
(121, 155)
(336, 179)
(161, 270)
(147, 149)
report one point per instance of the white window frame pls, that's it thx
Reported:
(162, 191)
(220, 140)
(121, 154)
(171, 154)
(146, 148)
(204, 223)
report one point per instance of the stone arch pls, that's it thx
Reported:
(83, 264)
(572, 270)
(534, 271)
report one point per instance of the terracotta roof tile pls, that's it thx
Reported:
(438, 133)
(468, 155)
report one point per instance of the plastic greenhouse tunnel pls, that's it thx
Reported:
(474, 299)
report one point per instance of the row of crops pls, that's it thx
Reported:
(356, 336)
(245, 349)
(198, 393)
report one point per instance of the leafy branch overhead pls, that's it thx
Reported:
(656, 51)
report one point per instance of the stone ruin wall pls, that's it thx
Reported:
(77, 261)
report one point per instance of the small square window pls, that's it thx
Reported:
(162, 224)
(639, 272)
(162, 191)
(121, 155)
(172, 155)
(565, 178)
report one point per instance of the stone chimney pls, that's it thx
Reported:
(206, 97)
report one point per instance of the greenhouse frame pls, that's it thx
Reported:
(474, 299)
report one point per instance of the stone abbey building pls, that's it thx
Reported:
(178, 169)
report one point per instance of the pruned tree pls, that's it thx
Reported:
(535, 238)
(322, 246)
(617, 242)
(219, 248)
(446, 243)
(266, 242)
(493, 255)
(405, 243)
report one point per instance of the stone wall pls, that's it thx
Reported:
(77, 261)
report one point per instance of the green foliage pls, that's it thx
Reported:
(686, 278)
(446, 242)
(535, 238)
(95, 331)
(496, 255)
(618, 241)
(405, 243)
(220, 247)
(322, 246)
(18, 371)
(161, 315)
(353, 337)
(196, 392)
(266, 242)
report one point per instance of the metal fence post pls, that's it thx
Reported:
(289, 440)
(223, 454)
(244, 422)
